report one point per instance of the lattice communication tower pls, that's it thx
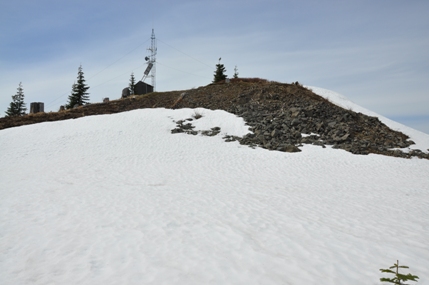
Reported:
(151, 61)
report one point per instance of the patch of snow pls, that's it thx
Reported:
(307, 135)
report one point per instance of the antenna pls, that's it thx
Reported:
(151, 61)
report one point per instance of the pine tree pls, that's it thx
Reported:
(398, 276)
(72, 98)
(235, 72)
(219, 73)
(132, 83)
(78, 96)
(17, 106)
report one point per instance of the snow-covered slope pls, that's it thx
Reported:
(118, 199)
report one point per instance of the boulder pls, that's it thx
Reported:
(125, 92)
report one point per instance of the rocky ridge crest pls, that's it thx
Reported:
(281, 116)
(284, 116)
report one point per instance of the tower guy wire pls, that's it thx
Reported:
(186, 54)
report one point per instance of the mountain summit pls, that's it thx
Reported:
(281, 117)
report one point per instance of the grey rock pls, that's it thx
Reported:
(125, 92)
(187, 126)
(295, 122)
(332, 124)
(275, 133)
(291, 148)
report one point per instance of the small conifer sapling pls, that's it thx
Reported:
(132, 83)
(17, 106)
(399, 278)
(235, 72)
(219, 73)
(79, 94)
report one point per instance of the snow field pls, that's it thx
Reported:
(118, 199)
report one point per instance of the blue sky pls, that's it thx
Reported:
(376, 53)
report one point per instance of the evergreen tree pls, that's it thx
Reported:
(235, 72)
(398, 276)
(72, 97)
(132, 83)
(219, 73)
(78, 96)
(17, 106)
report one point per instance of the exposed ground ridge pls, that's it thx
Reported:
(278, 115)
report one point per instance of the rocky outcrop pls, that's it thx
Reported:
(184, 126)
(318, 125)
(283, 117)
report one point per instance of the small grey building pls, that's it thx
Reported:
(37, 107)
(142, 88)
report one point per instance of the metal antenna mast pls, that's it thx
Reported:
(151, 61)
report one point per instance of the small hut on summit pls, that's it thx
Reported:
(37, 107)
(142, 88)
